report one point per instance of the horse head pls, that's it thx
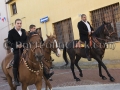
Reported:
(35, 46)
(108, 30)
(52, 44)
(105, 31)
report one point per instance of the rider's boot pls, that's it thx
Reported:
(46, 74)
(87, 50)
(15, 74)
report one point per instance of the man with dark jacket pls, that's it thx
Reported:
(33, 31)
(16, 38)
(85, 30)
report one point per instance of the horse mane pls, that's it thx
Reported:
(29, 35)
(98, 31)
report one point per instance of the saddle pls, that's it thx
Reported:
(79, 44)
(10, 64)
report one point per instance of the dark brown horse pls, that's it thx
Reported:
(99, 38)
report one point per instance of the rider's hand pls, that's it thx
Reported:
(92, 31)
(89, 33)
(19, 46)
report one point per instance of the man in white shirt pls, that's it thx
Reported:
(85, 30)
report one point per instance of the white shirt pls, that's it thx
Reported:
(19, 32)
(88, 26)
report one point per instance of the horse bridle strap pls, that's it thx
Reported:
(31, 70)
(24, 56)
(98, 43)
(47, 60)
(108, 31)
(33, 50)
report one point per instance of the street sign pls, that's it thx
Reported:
(44, 20)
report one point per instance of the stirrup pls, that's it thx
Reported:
(16, 83)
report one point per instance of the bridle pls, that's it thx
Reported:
(26, 63)
(106, 29)
(33, 50)
(109, 34)
(52, 49)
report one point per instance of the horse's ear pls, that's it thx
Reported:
(104, 22)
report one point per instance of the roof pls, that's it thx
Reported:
(9, 1)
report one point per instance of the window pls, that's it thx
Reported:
(14, 8)
(64, 32)
(109, 13)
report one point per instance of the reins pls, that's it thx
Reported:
(108, 31)
(95, 39)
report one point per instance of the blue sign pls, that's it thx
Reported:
(45, 19)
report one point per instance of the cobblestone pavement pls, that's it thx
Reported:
(64, 78)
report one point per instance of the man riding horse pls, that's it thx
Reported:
(85, 31)
(33, 31)
(16, 37)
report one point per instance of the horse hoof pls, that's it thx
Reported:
(77, 79)
(104, 78)
(81, 75)
(112, 79)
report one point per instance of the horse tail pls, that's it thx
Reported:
(65, 56)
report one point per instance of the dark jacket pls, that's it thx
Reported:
(83, 31)
(14, 37)
(35, 32)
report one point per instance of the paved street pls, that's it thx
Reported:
(63, 80)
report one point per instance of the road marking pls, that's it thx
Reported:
(65, 72)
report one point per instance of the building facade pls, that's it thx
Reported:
(4, 27)
(64, 16)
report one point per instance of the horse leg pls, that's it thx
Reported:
(24, 86)
(76, 64)
(105, 68)
(47, 83)
(100, 72)
(39, 85)
(72, 58)
(9, 79)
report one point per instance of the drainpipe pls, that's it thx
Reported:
(7, 15)
(8, 50)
